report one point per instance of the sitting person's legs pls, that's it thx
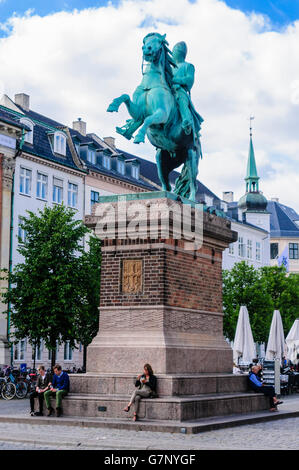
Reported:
(33, 395)
(60, 394)
(47, 395)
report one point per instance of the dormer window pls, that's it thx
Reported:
(59, 143)
(135, 172)
(91, 156)
(121, 167)
(29, 134)
(106, 162)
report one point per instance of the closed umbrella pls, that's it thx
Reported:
(276, 343)
(292, 341)
(243, 343)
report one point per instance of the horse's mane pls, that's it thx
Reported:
(168, 60)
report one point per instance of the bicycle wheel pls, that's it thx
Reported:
(21, 390)
(8, 391)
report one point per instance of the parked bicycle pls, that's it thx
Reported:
(7, 389)
(20, 385)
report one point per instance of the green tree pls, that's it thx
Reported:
(50, 293)
(89, 270)
(284, 291)
(262, 291)
(243, 285)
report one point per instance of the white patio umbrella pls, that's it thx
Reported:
(276, 344)
(243, 343)
(292, 341)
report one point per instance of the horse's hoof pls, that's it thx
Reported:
(112, 108)
(138, 139)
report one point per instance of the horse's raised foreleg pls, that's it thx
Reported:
(132, 107)
(114, 106)
(158, 117)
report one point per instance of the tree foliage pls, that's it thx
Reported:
(262, 291)
(54, 291)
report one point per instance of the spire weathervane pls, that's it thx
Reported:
(250, 128)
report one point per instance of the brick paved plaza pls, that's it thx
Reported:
(280, 434)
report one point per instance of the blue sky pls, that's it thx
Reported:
(73, 65)
(281, 12)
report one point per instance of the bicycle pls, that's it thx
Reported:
(21, 386)
(7, 389)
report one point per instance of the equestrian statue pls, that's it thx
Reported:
(162, 109)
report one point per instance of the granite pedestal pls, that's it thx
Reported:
(160, 303)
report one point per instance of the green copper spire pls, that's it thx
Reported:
(252, 179)
(253, 200)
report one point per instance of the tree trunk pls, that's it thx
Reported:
(53, 355)
(84, 357)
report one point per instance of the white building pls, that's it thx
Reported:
(46, 172)
(250, 218)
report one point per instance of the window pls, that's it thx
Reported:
(57, 190)
(249, 249)
(273, 250)
(91, 156)
(231, 248)
(293, 251)
(38, 351)
(208, 200)
(59, 143)
(121, 167)
(21, 232)
(241, 247)
(68, 352)
(25, 181)
(135, 172)
(19, 350)
(94, 197)
(29, 134)
(72, 197)
(41, 186)
(258, 251)
(106, 162)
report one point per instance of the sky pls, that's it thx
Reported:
(74, 57)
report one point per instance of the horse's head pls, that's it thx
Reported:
(152, 47)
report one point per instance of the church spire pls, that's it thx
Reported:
(253, 200)
(252, 179)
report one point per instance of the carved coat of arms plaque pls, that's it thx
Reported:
(132, 276)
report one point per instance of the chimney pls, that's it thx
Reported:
(80, 126)
(109, 141)
(275, 199)
(228, 196)
(22, 100)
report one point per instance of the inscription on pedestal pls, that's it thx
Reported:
(132, 276)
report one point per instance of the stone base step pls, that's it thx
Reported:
(188, 427)
(171, 408)
(168, 384)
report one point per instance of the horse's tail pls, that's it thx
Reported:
(182, 183)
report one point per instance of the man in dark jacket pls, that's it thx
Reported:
(59, 388)
(42, 386)
(268, 390)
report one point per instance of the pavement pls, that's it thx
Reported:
(18, 431)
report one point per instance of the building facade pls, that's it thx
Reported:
(284, 245)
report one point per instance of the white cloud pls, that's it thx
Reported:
(74, 64)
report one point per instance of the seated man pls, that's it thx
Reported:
(42, 385)
(59, 388)
(259, 387)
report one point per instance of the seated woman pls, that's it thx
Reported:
(259, 387)
(147, 385)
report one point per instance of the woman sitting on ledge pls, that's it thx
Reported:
(147, 384)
